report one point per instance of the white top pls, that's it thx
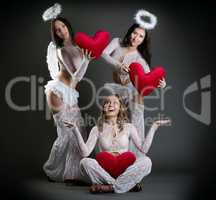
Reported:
(115, 54)
(107, 142)
(70, 57)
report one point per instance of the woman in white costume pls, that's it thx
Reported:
(112, 134)
(120, 54)
(67, 65)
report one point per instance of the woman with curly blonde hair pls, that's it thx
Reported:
(113, 134)
(121, 118)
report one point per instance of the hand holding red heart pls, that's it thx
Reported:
(88, 54)
(146, 82)
(124, 67)
(162, 83)
(96, 44)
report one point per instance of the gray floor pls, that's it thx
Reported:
(155, 187)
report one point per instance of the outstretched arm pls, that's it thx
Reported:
(151, 133)
(135, 138)
(85, 148)
(149, 137)
(109, 50)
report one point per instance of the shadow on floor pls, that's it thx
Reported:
(155, 187)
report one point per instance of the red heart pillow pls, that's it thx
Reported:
(145, 82)
(96, 44)
(115, 165)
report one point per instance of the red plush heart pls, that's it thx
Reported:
(145, 82)
(96, 44)
(115, 165)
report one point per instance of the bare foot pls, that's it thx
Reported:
(100, 188)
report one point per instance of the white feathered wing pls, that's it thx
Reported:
(52, 60)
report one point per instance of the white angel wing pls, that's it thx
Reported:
(52, 60)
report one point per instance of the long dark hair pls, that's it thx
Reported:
(143, 48)
(121, 118)
(55, 38)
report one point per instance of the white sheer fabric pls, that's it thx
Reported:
(64, 158)
(115, 54)
(107, 142)
(126, 181)
(120, 143)
(52, 60)
(69, 57)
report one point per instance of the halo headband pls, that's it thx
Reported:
(148, 25)
(52, 12)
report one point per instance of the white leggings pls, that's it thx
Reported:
(137, 119)
(126, 181)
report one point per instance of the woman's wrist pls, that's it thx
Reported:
(155, 126)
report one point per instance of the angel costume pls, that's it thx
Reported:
(115, 54)
(107, 141)
(64, 158)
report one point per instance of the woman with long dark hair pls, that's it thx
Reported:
(67, 64)
(134, 47)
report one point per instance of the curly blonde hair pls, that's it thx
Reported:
(121, 118)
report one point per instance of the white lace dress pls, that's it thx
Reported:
(119, 143)
(114, 54)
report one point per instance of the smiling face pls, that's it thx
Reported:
(111, 106)
(61, 30)
(137, 37)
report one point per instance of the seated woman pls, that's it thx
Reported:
(113, 135)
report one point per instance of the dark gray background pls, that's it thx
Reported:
(182, 42)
